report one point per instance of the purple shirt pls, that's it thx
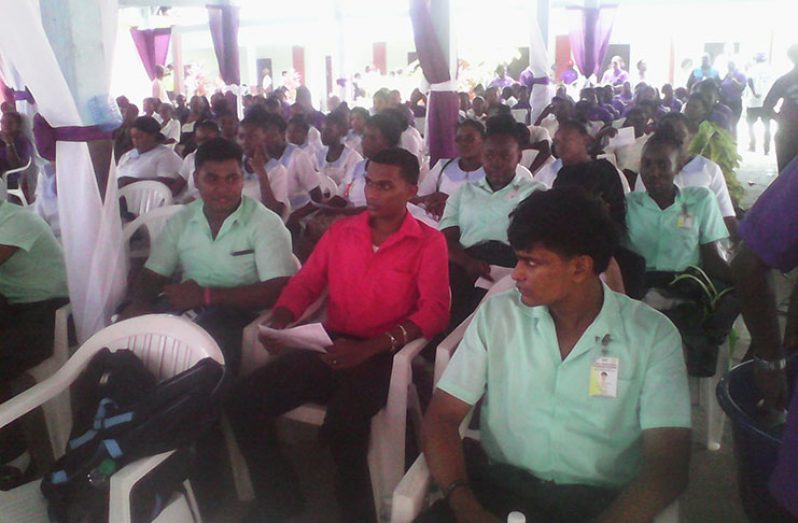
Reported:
(729, 90)
(770, 228)
(615, 77)
(674, 107)
(24, 149)
(723, 116)
(502, 82)
(599, 114)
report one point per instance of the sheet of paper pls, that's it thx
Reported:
(625, 136)
(309, 337)
(497, 273)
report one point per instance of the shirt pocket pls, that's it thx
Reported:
(242, 266)
(396, 286)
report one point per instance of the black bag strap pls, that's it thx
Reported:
(438, 184)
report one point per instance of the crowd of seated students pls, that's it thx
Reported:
(399, 248)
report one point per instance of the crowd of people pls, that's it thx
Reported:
(604, 208)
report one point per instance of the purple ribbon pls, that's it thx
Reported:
(542, 80)
(24, 96)
(46, 136)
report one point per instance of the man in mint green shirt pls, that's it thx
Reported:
(476, 217)
(33, 285)
(234, 254)
(585, 404)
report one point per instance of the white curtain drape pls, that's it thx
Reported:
(540, 95)
(91, 229)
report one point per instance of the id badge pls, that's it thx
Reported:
(684, 221)
(604, 377)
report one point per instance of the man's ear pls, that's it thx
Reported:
(582, 268)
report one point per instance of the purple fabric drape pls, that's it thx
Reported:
(590, 36)
(46, 136)
(223, 22)
(152, 45)
(443, 106)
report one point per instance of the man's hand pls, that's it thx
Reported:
(345, 353)
(773, 385)
(280, 319)
(477, 269)
(258, 162)
(184, 296)
(435, 204)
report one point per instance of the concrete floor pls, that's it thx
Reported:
(711, 496)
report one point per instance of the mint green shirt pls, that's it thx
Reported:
(538, 414)
(666, 241)
(252, 246)
(36, 271)
(482, 214)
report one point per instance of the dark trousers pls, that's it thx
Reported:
(353, 397)
(26, 339)
(466, 297)
(226, 326)
(502, 488)
(786, 148)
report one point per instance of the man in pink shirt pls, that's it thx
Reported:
(387, 280)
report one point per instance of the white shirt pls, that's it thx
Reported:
(762, 78)
(538, 133)
(171, 130)
(353, 187)
(158, 162)
(448, 180)
(278, 181)
(338, 169)
(411, 141)
(628, 156)
(548, 173)
(302, 177)
(353, 140)
(702, 172)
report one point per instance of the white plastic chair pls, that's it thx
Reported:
(386, 455)
(154, 221)
(18, 192)
(167, 345)
(143, 196)
(57, 412)
(528, 156)
(706, 386)
(328, 187)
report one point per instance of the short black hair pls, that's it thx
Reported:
(208, 125)
(258, 116)
(388, 126)
(217, 150)
(362, 111)
(405, 160)
(568, 221)
(502, 125)
(147, 124)
(573, 125)
(399, 116)
(338, 119)
(300, 121)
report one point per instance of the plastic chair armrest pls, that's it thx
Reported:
(446, 348)
(410, 493)
(124, 480)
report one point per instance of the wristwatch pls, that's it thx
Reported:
(770, 365)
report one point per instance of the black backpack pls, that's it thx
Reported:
(123, 414)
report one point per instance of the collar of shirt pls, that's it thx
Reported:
(409, 229)
(514, 184)
(678, 201)
(604, 330)
(236, 217)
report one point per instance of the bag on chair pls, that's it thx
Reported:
(123, 414)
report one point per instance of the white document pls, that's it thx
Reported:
(497, 273)
(309, 337)
(625, 136)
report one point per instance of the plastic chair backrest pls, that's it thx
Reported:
(328, 187)
(143, 196)
(5, 192)
(154, 221)
(528, 156)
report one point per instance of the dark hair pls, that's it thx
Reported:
(405, 160)
(217, 150)
(258, 116)
(338, 119)
(474, 124)
(299, 121)
(363, 112)
(573, 125)
(399, 116)
(388, 127)
(665, 135)
(147, 124)
(568, 221)
(208, 125)
(502, 125)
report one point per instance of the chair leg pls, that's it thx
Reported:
(238, 465)
(715, 416)
(416, 415)
(192, 502)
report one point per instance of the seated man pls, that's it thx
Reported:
(234, 254)
(303, 180)
(33, 285)
(476, 217)
(385, 273)
(676, 228)
(586, 409)
(150, 159)
(263, 180)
